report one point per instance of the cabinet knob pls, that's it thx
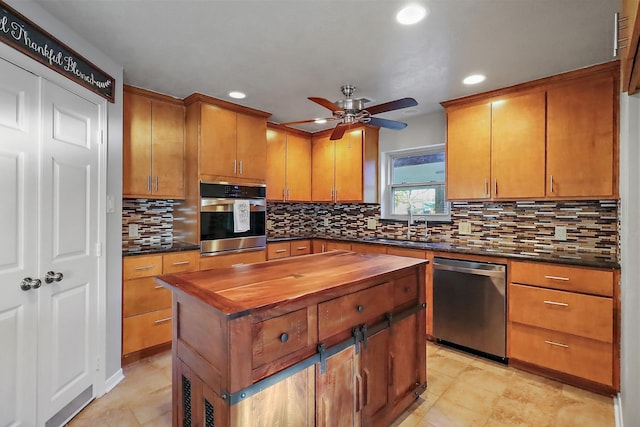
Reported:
(360, 308)
(284, 337)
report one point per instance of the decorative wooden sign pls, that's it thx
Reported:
(19, 32)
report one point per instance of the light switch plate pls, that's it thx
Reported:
(560, 232)
(372, 224)
(133, 231)
(464, 227)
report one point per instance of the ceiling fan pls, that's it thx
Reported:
(351, 111)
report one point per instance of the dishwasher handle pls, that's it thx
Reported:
(476, 271)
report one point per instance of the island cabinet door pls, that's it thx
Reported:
(408, 369)
(339, 390)
(375, 374)
(195, 404)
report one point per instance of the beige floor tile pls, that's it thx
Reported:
(493, 366)
(481, 379)
(584, 414)
(437, 382)
(476, 400)
(442, 363)
(515, 412)
(153, 405)
(446, 413)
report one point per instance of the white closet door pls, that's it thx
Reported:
(19, 151)
(68, 218)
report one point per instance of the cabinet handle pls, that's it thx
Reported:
(323, 247)
(562, 304)
(149, 183)
(486, 187)
(550, 183)
(235, 164)
(557, 344)
(495, 187)
(332, 194)
(279, 251)
(391, 366)
(365, 387)
(358, 393)
(181, 262)
(158, 287)
(302, 248)
(166, 319)
(335, 193)
(564, 279)
(145, 267)
(240, 167)
(156, 183)
(284, 194)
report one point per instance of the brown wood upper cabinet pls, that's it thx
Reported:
(288, 165)
(345, 170)
(553, 138)
(629, 33)
(153, 145)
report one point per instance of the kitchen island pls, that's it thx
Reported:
(328, 339)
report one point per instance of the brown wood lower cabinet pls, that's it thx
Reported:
(292, 363)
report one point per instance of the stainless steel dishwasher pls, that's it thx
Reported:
(469, 305)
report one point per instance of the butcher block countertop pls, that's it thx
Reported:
(244, 289)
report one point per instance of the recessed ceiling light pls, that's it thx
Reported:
(412, 14)
(320, 121)
(474, 79)
(237, 95)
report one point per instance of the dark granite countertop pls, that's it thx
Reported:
(585, 259)
(157, 248)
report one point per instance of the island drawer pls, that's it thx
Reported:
(146, 330)
(577, 279)
(358, 308)
(279, 336)
(579, 314)
(179, 262)
(144, 295)
(405, 290)
(134, 267)
(571, 354)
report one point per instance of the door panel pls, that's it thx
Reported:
(322, 169)
(349, 167)
(69, 235)
(19, 110)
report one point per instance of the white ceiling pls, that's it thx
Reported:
(280, 52)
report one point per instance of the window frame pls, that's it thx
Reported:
(387, 187)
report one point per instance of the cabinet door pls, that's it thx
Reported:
(217, 141)
(404, 357)
(136, 154)
(518, 146)
(375, 376)
(337, 392)
(468, 152)
(630, 61)
(276, 148)
(322, 169)
(251, 147)
(167, 142)
(298, 179)
(580, 139)
(349, 167)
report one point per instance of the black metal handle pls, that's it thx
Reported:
(284, 337)
(360, 308)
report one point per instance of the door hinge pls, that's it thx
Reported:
(99, 249)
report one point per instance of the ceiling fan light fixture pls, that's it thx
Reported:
(320, 121)
(474, 79)
(235, 94)
(412, 14)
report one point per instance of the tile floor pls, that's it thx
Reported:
(464, 391)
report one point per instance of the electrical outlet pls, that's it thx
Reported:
(560, 232)
(133, 231)
(326, 222)
(372, 224)
(269, 224)
(464, 227)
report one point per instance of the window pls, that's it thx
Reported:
(416, 182)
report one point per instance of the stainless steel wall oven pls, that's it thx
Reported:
(219, 232)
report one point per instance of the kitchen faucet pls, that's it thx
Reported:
(409, 222)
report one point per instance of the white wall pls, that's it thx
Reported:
(113, 245)
(630, 258)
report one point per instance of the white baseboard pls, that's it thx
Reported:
(113, 381)
(617, 410)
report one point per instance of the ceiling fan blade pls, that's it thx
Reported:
(339, 131)
(392, 105)
(307, 121)
(386, 123)
(325, 103)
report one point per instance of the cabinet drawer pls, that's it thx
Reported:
(300, 247)
(144, 295)
(405, 290)
(179, 262)
(146, 330)
(579, 279)
(578, 314)
(354, 309)
(278, 250)
(134, 267)
(411, 253)
(279, 336)
(582, 357)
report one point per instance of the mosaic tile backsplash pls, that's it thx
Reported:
(592, 226)
(153, 217)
